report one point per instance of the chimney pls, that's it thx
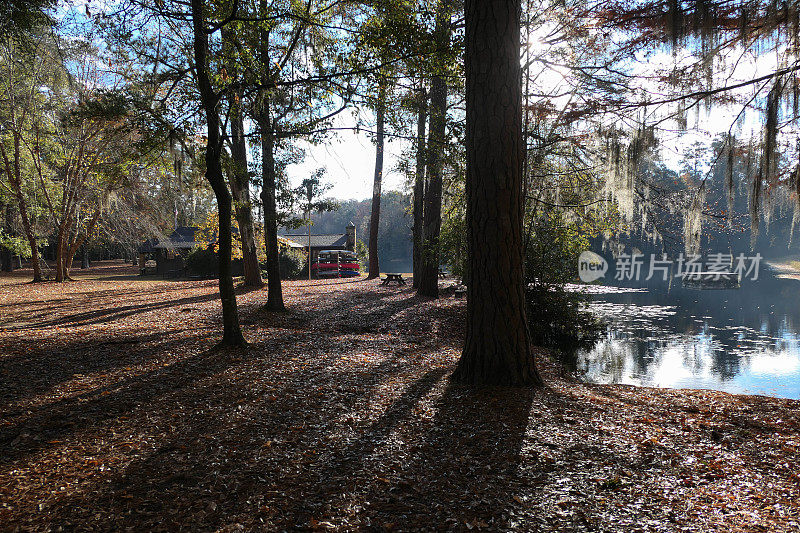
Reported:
(351, 236)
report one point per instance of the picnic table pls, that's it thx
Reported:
(393, 277)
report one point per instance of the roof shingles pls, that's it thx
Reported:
(338, 240)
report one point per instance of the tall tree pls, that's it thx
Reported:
(240, 174)
(432, 212)
(377, 179)
(268, 174)
(94, 145)
(30, 63)
(294, 98)
(419, 183)
(497, 348)
(210, 99)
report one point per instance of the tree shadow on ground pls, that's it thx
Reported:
(113, 313)
(464, 465)
(46, 425)
(213, 462)
(43, 367)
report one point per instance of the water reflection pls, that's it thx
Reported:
(741, 341)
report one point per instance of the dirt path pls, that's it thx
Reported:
(116, 414)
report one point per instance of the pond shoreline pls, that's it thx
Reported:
(742, 340)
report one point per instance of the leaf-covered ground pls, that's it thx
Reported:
(117, 414)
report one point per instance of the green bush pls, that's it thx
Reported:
(556, 320)
(203, 262)
(16, 245)
(555, 317)
(292, 262)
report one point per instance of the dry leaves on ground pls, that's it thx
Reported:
(118, 414)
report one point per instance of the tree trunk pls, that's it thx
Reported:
(61, 252)
(232, 335)
(274, 288)
(432, 212)
(6, 259)
(497, 347)
(268, 181)
(375, 216)
(14, 178)
(419, 186)
(240, 185)
(84, 257)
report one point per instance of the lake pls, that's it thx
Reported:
(744, 341)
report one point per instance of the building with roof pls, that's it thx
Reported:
(169, 254)
(319, 242)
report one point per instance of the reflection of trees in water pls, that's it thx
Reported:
(713, 332)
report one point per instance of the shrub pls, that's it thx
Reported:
(203, 262)
(292, 262)
(555, 317)
(556, 320)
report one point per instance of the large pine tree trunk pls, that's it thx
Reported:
(497, 348)
(432, 212)
(419, 185)
(375, 216)
(232, 335)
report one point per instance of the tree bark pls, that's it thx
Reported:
(6, 259)
(497, 347)
(432, 215)
(268, 180)
(240, 185)
(375, 216)
(419, 186)
(274, 288)
(232, 335)
(15, 179)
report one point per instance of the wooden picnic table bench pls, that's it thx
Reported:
(393, 277)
